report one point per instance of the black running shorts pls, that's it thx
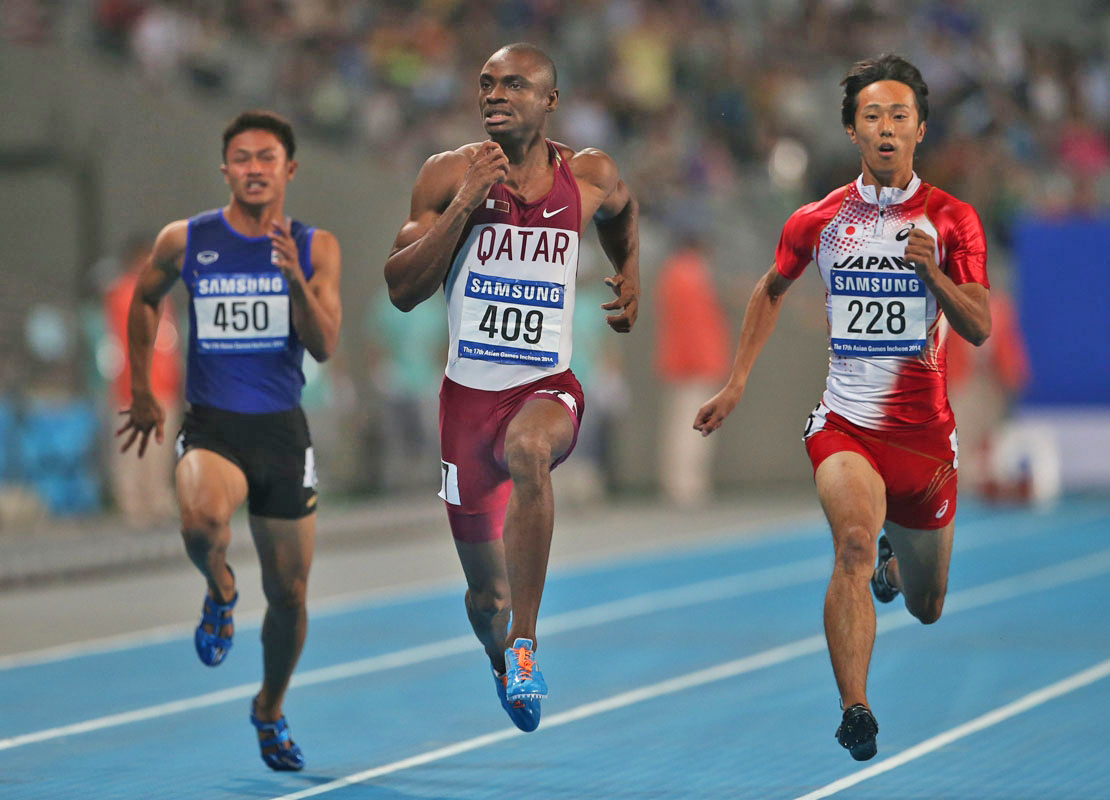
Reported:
(273, 450)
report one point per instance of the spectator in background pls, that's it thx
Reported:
(141, 490)
(691, 358)
(407, 357)
(983, 384)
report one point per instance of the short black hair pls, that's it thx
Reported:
(542, 58)
(887, 67)
(265, 121)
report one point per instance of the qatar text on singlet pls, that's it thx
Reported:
(510, 289)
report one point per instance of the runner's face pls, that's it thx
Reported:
(887, 129)
(256, 168)
(514, 96)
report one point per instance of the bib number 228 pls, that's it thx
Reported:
(874, 314)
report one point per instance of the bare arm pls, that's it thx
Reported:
(449, 187)
(155, 280)
(314, 304)
(759, 320)
(966, 306)
(617, 220)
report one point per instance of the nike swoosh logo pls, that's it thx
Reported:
(549, 214)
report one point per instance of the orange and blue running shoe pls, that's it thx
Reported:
(518, 711)
(524, 685)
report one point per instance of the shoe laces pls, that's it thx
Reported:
(525, 661)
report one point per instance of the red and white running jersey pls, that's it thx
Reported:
(510, 289)
(886, 331)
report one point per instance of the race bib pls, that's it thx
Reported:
(241, 313)
(511, 321)
(876, 314)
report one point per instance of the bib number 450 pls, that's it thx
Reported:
(510, 323)
(242, 315)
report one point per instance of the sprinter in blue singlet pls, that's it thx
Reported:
(262, 289)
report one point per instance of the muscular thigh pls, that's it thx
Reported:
(923, 557)
(209, 483)
(917, 466)
(273, 452)
(473, 425)
(284, 546)
(851, 492)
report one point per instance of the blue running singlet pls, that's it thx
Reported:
(244, 354)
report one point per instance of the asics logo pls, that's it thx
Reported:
(904, 234)
(207, 256)
(549, 214)
(943, 508)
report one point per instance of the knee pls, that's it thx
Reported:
(286, 594)
(927, 608)
(528, 453)
(855, 550)
(202, 527)
(485, 604)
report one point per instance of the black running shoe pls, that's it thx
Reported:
(883, 591)
(857, 732)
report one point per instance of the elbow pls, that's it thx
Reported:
(981, 333)
(402, 301)
(321, 351)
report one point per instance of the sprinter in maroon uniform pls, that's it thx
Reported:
(496, 224)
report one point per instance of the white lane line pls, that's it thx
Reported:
(415, 591)
(725, 588)
(723, 541)
(418, 590)
(1031, 700)
(732, 586)
(767, 658)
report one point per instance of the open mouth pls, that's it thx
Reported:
(496, 116)
(886, 148)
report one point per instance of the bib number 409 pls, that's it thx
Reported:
(510, 323)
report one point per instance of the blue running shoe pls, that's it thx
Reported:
(519, 711)
(524, 684)
(272, 743)
(211, 647)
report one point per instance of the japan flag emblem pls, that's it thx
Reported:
(850, 230)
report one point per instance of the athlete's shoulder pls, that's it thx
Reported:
(951, 215)
(807, 221)
(825, 208)
(940, 202)
(590, 165)
(449, 164)
(173, 237)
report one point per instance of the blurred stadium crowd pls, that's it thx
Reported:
(709, 106)
(685, 91)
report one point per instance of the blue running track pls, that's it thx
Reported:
(697, 672)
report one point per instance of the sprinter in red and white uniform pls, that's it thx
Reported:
(903, 262)
(497, 225)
